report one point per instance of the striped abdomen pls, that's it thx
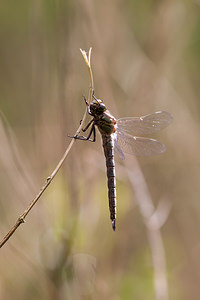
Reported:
(108, 146)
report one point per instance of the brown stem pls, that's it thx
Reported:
(21, 218)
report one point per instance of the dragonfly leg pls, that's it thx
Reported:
(88, 106)
(84, 138)
(88, 125)
(85, 101)
(95, 97)
(94, 133)
(90, 133)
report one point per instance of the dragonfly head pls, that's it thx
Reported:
(97, 107)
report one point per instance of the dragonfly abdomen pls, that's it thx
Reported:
(108, 146)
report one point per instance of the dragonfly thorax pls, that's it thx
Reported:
(97, 108)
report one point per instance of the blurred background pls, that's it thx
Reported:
(145, 58)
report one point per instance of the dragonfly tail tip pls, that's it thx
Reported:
(113, 225)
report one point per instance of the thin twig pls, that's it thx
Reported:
(148, 213)
(21, 218)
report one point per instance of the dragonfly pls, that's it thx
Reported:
(124, 136)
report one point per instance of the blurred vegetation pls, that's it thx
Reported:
(145, 58)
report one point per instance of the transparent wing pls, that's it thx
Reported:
(146, 124)
(118, 149)
(137, 145)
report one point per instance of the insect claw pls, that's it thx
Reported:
(72, 137)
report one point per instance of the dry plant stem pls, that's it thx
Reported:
(21, 218)
(147, 210)
(87, 61)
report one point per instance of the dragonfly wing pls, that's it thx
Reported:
(139, 146)
(118, 150)
(146, 124)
